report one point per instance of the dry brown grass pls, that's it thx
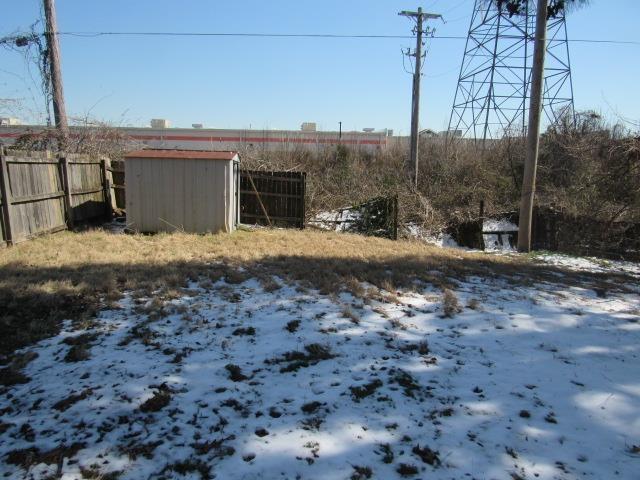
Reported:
(450, 304)
(73, 275)
(349, 314)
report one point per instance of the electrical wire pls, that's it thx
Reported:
(309, 35)
(407, 54)
(228, 34)
(455, 7)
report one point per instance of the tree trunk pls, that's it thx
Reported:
(533, 134)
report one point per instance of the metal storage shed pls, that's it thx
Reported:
(194, 191)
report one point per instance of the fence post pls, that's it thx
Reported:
(6, 198)
(481, 235)
(303, 217)
(106, 187)
(395, 217)
(66, 185)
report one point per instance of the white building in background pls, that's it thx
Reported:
(160, 123)
(451, 133)
(9, 121)
(243, 140)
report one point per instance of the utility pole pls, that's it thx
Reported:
(533, 134)
(59, 109)
(420, 18)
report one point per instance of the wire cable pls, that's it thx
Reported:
(228, 34)
(309, 35)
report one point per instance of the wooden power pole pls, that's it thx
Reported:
(533, 133)
(420, 18)
(59, 109)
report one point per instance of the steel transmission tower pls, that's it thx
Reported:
(492, 97)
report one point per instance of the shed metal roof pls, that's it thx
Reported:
(182, 154)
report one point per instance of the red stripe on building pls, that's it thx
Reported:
(191, 138)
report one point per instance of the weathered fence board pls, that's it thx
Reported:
(87, 193)
(36, 205)
(118, 185)
(272, 198)
(7, 235)
(37, 196)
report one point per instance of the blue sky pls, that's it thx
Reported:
(281, 82)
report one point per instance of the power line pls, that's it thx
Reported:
(228, 34)
(308, 35)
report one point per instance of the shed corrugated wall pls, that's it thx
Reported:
(194, 195)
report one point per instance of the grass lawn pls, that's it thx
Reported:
(73, 275)
(302, 354)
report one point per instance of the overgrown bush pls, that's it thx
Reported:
(592, 169)
(339, 177)
(587, 170)
(589, 173)
(97, 139)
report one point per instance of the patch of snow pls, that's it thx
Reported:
(499, 242)
(535, 381)
(502, 225)
(589, 264)
(338, 220)
(444, 240)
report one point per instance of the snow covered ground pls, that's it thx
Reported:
(439, 240)
(511, 381)
(589, 264)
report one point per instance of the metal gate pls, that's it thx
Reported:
(272, 198)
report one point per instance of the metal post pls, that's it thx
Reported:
(491, 93)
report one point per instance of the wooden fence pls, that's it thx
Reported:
(118, 185)
(556, 231)
(43, 194)
(272, 198)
